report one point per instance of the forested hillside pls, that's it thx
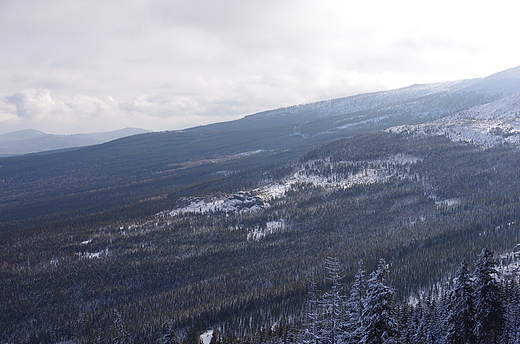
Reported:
(242, 261)
(135, 176)
(479, 307)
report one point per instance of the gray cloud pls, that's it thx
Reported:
(177, 63)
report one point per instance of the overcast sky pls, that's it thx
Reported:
(71, 66)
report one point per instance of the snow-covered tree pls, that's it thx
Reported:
(512, 326)
(312, 333)
(354, 306)
(121, 335)
(333, 304)
(489, 308)
(427, 329)
(379, 316)
(169, 337)
(460, 323)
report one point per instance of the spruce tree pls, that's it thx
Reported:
(312, 333)
(121, 335)
(354, 306)
(489, 309)
(461, 311)
(333, 304)
(379, 316)
(512, 300)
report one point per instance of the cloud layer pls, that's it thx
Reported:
(77, 66)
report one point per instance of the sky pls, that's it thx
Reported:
(78, 66)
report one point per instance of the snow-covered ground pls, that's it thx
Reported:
(94, 255)
(238, 202)
(493, 124)
(376, 172)
(485, 133)
(259, 198)
(366, 101)
(270, 228)
(206, 337)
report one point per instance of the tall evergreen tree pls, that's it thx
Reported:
(379, 316)
(489, 308)
(461, 311)
(333, 303)
(426, 329)
(512, 327)
(354, 306)
(312, 333)
(121, 335)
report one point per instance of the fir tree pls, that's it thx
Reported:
(311, 333)
(333, 304)
(512, 326)
(354, 306)
(489, 309)
(169, 337)
(379, 313)
(461, 311)
(121, 335)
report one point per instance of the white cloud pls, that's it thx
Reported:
(81, 113)
(34, 104)
(170, 64)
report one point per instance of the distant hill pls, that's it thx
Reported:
(34, 141)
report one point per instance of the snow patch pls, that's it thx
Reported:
(270, 227)
(489, 125)
(374, 171)
(273, 190)
(447, 202)
(205, 337)
(95, 255)
(484, 133)
(238, 202)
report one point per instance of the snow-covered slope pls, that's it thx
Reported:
(366, 101)
(505, 108)
(358, 173)
(426, 101)
(493, 124)
(246, 201)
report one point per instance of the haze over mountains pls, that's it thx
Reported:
(34, 141)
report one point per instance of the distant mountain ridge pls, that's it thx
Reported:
(34, 141)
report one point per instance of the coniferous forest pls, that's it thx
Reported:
(480, 307)
(372, 239)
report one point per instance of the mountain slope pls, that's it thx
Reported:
(424, 102)
(118, 175)
(34, 141)
(493, 124)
